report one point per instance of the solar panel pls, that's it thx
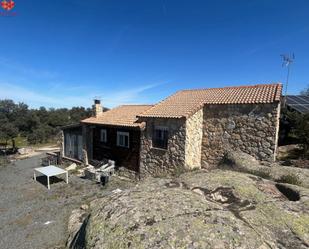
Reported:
(298, 102)
(290, 100)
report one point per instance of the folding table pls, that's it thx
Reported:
(51, 171)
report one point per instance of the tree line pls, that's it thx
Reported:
(36, 125)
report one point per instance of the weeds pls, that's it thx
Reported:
(291, 179)
(263, 174)
(178, 171)
(4, 161)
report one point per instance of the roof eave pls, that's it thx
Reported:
(70, 126)
(158, 116)
(139, 126)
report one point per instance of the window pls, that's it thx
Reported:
(103, 136)
(123, 139)
(160, 137)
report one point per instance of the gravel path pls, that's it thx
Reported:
(31, 216)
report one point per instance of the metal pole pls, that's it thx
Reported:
(286, 86)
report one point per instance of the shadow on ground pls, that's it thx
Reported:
(52, 180)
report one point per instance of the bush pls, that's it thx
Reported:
(179, 171)
(4, 161)
(300, 129)
(263, 174)
(291, 179)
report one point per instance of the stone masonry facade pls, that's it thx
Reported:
(193, 128)
(194, 135)
(202, 139)
(184, 145)
(155, 161)
(251, 128)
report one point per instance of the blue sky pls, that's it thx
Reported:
(63, 53)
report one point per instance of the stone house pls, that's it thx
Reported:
(190, 129)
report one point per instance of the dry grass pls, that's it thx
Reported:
(23, 220)
(291, 151)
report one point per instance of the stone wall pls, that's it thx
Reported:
(194, 134)
(155, 161)
(250, 128)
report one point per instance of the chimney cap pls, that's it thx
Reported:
(97, 101)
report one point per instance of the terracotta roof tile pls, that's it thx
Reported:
(185, 103)
(124, 115)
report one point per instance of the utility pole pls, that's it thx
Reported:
(287, 62)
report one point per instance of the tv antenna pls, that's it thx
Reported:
(288, 59)
(97, 97)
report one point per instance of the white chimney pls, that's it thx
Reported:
(97, 108)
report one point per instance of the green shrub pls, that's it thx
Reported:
(263, 174)
(4, 161)
(179, 171)
(291, 179)
(300, 130)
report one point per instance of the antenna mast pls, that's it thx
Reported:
(287, 61)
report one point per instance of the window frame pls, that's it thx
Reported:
(155, 144)
(103, 131)
(123, 133)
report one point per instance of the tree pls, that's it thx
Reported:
(7, 107)
(21, 117)
(305, 92)
(8, 131)
(78, 113)
(300, 128)
(58, 117)
(40, 135)
(37, 125)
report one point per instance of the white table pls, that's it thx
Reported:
(51, 171)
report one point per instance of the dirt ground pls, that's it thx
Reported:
(31, 216)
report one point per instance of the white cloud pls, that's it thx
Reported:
(21, 94)
(128, 96)
(57, 93)
(110, 98)
(25, 70)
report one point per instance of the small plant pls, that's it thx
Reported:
(291, 179)
(4, 161)
(262, 174)
(179, 171)
(226, 160)
(161, 175)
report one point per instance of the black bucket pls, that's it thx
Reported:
(104, 180)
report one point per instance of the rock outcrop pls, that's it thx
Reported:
(246, 163)
(76, 227)
(200, 209)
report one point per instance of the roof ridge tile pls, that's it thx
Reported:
(227, 87)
